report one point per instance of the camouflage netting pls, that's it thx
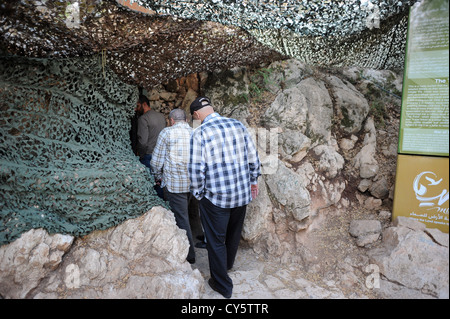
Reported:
(177, 38)
(366, 33)
(66, 164)
(142, 49)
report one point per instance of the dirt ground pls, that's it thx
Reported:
(337, 272)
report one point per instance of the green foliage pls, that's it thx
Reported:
(259, 80)
(378, 111)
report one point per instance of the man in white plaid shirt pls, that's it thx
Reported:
(170, 165)
(224, 168)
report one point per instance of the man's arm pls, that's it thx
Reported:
(142, 136)
(158, 157)
(253, 159)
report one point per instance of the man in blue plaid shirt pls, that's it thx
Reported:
(224, 168)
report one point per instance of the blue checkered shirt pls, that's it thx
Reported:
(224, 162)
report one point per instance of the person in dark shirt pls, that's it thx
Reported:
(150, 124)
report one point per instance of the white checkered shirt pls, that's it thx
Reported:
(170, 157)
(224, 162)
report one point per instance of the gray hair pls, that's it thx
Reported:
(177, 115)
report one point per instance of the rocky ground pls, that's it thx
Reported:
(340, 269)
(337, 272)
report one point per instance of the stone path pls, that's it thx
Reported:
(336, 272)
(255, 278)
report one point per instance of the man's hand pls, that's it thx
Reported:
(254, 191)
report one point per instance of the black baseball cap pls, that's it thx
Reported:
(200, 103)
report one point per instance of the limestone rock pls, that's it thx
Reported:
(144, 257)
(30, 258)
(365, 160)
(288, 110)
(385, 78)
(288, 74)
(351, 104)
(289, 189)
(348, 144)
(413, 265)
(364, 185)
(438, 236)
(331, 162)
(258, 213)
(402, 221)
(328, 192)
(227, 90)
(293, 145)
(380, 188)
(306, 107)
(365, 231)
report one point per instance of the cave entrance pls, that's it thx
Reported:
(177, 93)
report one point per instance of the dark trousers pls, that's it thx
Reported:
(179, 204)
(222, 227)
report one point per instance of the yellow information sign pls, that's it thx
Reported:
(422, 190)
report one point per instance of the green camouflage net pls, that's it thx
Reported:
(176, 38)
(66, 163)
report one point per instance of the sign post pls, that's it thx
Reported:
(422, 180)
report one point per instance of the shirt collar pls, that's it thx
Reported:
(180, 123)
(210, 117)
